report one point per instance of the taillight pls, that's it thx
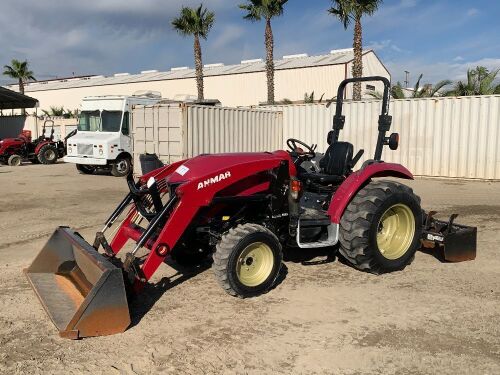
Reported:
(295, 188)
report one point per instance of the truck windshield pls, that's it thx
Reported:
(105, 121)
(89, 121)
(111, 121)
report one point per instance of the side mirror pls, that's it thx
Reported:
(392, 141)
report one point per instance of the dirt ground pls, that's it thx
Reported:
(323, 318)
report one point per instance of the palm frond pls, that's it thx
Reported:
(374, 94)
(438, 86)
(19, 70)
(258, 9)
(192, 21)
(397, 91)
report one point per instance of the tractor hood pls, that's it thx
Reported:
(203, 166)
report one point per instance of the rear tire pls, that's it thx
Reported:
(121, 167)
(85, 169)
(247, 260)
(47, 154)
(14, 160)
(381, 227)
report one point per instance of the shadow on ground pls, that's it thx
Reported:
(142, 303)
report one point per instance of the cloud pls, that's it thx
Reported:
(228, 35)
(438, 71)
(384, 45)
(472, 12)
(93, 36)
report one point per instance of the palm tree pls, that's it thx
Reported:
(196, 22)
(426, 91)
(352, 10)
(267, 9)
(480, 81)
(19, 70)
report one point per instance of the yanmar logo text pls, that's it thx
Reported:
(213, 180)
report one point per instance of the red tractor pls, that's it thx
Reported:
(244, 210)
(42, 150)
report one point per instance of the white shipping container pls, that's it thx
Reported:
(178, 131)
(439, 137)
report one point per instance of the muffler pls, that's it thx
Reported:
(458, 242)
(82, 292)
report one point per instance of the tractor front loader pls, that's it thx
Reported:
(243, 210)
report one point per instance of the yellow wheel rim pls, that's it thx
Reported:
(255, 264)
(395, 231)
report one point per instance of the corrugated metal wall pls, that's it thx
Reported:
(178, 131)
(442, 137)
(215, 130)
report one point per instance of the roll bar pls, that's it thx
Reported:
(384, 120)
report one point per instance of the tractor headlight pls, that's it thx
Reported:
(70, 150)
(100, 151)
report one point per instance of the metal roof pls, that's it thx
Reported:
(13, 100)
(335, 57)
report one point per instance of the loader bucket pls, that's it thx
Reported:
(82, 292)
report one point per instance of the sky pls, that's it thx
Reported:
(439, 38)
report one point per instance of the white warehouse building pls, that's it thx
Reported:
(242, 84)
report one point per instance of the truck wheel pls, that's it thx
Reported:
(380, 228)
(85, 169)
(14, 160)
(47, 154)
(121, 167)
(247, 260)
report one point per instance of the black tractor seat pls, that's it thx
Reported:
(321, 178)
(335, 165)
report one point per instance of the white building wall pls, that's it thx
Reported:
(233, 90)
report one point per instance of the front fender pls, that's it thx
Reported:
(352, 184)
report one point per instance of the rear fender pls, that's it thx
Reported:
(41, 144)
(357, 180)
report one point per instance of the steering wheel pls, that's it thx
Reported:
(298, 152)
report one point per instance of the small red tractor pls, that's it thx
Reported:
(244, 210)
(44, 150)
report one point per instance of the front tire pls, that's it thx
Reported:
(381, 227)
(247, 260)
(85, 169)
(14, 160)
(47, 154)
(121, 167)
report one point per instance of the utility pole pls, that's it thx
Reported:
(407, 79)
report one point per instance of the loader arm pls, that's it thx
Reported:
(191, 194)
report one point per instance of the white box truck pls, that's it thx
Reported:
(104, 136)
